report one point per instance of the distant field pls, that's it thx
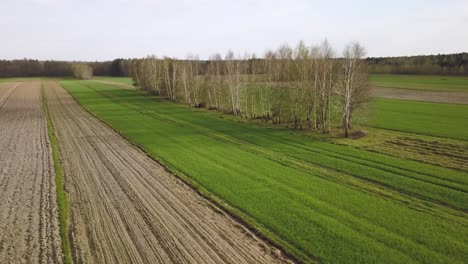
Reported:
(420, 82)
(20, 79)
(322, 201)
(122, 80)
(435, 119)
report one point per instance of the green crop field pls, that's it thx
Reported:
(420, 82)
(321, 201)
(435, 119)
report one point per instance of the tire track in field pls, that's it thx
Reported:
(127, 209)
(6, 92)
(29, 230)
(116, 84)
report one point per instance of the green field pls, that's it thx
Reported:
(321, 201)
(435, 119)
(420, 82)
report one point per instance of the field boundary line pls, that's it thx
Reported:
(416, 133)
(119, 85)
(418, 89)
(62, 199)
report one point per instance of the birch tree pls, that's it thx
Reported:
(312, 89)
(134, 72)
(298, 84)
(82, 71)
(266, 89)
(325, 82)
(195, 80)
(216, 82)
(152, 74)
(253, 89)
(352, 89)
(233, 67)
(185, 78)
(170, 77)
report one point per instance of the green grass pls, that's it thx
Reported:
(434, 119)
(62, 199)
(320, 201)
(420, 82)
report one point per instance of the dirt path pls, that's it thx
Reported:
(28, 213)
(418, 95)
(127, 209)
(116, 84)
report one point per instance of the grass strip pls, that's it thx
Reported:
(62, 199)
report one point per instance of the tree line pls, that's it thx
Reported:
(36, 68)
(304, 86)
(450, 64)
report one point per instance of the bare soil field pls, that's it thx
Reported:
(29, 231)
(126, 208)
(420, 95)
(6, 89)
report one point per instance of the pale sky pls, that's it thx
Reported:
(107, 29)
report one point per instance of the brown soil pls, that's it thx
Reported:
(357, 134)
(418, 95)
(29, 230)
(126, 208)
(6, 89)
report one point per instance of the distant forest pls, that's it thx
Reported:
(36, 68)
(449, 64)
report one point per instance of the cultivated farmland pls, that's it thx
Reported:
(421, 82)
(134, 210)
(395, 195)
(426, 118)
(439, 89)
(29, 229)
(319, 200)
(233, 132)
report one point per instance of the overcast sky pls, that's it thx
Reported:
(107, 29)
